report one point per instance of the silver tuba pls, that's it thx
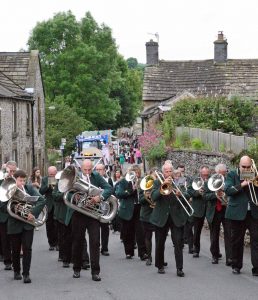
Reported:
(69, 181)
(20, 204)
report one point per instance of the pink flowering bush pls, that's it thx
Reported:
(153, 145)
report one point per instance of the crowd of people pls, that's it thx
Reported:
(161, 201)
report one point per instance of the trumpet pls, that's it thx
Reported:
(146, 185)
(216, 184)
(167, 189)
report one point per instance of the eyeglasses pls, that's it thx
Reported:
(246, 167)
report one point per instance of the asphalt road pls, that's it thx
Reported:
(130, 279)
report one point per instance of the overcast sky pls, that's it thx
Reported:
(186, 28)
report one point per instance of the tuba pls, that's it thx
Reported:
(215, 184)
(146, 185)
(20, 204)
(80, 201)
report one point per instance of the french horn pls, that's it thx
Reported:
(105, 211)
(20, 204)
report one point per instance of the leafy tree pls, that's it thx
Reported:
(63, 122)
(80, 64)
(231, 115)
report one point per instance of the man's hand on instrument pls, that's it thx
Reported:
(31, 217)
(244, 183)
(95, 199)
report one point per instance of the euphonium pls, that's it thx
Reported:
(215, 184)
(104, 211)
(198, 184)
(146, 185)
(20, 204)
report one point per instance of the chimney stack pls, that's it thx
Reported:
(152, 53)
(220, 49)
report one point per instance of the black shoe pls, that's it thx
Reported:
(26, 279)
(196, 255)
(128, 256)
(236, 271)
(180, 273)
(76, 274)
(190, 251)
(85, 265)
(66, 265)
(96, 277)
(17, 276)
(8, 267)
(219, 256)
(214, 260)
(229, 262)
(105, 253)
(161, 271)
(148, 262)
(255, 271)
(51, 248)
(144, 256)
(165, 264)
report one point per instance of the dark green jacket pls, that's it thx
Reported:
(198, 203)
(16, 226)
(211, 199)
(165, 206)
(146, 210)
(3, 209)
(127, 197)
(238, 198)
(46, 191)
(60, 207)
(98, 181)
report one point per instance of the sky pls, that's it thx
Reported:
(186, 28)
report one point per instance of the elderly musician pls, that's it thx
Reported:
(21, 233)
(48, 184)
(242, 211)
(199, 205)
(128, 192)
(168, 214)
(10, 169)
(215, 214)
(81, 222)
(100, 168)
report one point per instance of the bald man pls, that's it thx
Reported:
(243, 214)
(81, 222)
(47, 185)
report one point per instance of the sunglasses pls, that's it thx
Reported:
(246, 167)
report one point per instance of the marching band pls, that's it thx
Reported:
(79, 200)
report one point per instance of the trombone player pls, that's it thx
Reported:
(242, 213)
(168, 214)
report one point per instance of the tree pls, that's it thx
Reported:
(81, 64)
(63, 122)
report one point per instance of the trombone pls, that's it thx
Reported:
(167, 189)
(253, 182)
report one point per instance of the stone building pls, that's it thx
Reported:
(166, 82)
(22, 110)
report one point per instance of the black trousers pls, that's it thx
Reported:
(188, 233)
(198, 225)
(104, 236)
(51, 228)
(5, 243)
(148, 229)
(218, 219)
(238, 229)
(80, 223)
(22, 240)
(133, 229)
(177, 234)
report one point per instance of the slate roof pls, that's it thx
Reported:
(14, 74)
(202, 78)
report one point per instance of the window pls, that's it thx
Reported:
(28, 116)
(14, 116)
(39, 116)
(15, 155)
